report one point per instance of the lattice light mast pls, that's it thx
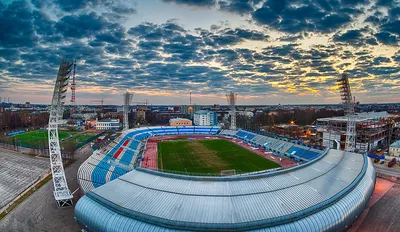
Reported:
(231, 98)
(73, 86)
(127, 101)
(61, 191)
(348, 104)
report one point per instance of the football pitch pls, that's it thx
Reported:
(39, 137)
(209, 156)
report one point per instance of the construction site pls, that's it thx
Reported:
(374, 130)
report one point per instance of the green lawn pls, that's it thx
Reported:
(82, 138)
(209, 156)
(39, 137)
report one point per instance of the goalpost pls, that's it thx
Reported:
(228, 172)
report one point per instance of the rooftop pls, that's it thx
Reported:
(178, 119)
(230, 202)
(395, 144)
(109, 120)
(361, 117)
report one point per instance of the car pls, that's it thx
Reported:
(392, 162)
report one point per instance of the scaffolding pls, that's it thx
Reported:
(62, 194)
(231, 98)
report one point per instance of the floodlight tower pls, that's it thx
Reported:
(231, 97)
(61, 191)
(73, 86)
(127, 101)
(348, 104)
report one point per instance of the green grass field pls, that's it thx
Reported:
(39, 137)
(82, 138)
(209, 156)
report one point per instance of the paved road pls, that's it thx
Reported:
(384, 214)
(388, 172)
(40, 213)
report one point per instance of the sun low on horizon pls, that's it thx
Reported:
(266, 51)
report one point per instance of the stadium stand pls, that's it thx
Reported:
(325, 194)
(120, 156)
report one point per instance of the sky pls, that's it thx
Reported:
(266, 51)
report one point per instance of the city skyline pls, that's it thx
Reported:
(269, 52)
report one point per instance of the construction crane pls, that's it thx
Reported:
(142, 103)
(308, 132)
(100, 101)
(348, 104)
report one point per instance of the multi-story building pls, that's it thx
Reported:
(108, 124)
(205, 118)
(180, 122)
(373, 129)
(394, 149)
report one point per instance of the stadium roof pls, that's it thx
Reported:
(310, 197)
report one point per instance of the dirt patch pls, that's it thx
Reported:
(208, 157)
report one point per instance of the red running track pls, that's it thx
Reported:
(151, 158)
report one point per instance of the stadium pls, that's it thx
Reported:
(296, 187)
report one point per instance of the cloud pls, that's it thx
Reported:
(237, 6)
(386, 38)
(82, 25)
(309, 17)
(16, 27)
(203, 3)
(359, 37)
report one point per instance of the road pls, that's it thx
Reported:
(384, 214)
(40, 213)
(387, 172)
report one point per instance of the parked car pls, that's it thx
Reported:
(392, 162)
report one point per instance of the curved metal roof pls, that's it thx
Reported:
(157, 200)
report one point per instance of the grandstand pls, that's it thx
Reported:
(17, 173)
(277, 145)
(326, 193)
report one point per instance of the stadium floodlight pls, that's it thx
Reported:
(231, 98)
(348, 104)
(62, 194)
(127, 101)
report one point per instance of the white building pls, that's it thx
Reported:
(205, 118)
(108, 124)
(394, 149)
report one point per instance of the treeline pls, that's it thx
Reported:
(299, 116)
(10, 121)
